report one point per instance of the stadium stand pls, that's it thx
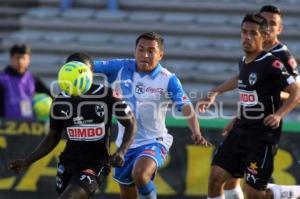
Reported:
(202, 37)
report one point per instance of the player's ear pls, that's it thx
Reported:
(265, 35)
(161, 54)
(280, 28)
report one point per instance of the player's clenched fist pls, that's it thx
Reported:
(117, 159)
(207, 101)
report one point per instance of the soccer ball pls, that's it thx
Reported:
(75, 78)
(41, 105)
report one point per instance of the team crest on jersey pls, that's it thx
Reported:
(252, 78)
(99, 109)
(140, 88)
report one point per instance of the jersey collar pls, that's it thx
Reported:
(153, 73)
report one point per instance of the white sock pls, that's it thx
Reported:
(151, 195)
(218, 197)
(285, 191)
(235, 193)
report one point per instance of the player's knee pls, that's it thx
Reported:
(250, 192)
(232, 183)
(140, 177)
(215, 179)
(74, 195)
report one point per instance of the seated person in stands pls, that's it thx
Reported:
(18, 85)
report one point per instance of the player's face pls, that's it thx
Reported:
(20, 62)
(252, 39)
(147, 55)
(274, 23)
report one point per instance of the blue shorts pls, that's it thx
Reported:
(155, 151)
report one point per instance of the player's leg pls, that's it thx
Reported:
(150, 159)
(232, 189)
(259, 161)
(225, 164)
(74, 191)
(217, 179)
(142, 173)
(123, 175)
(81, 185)
(128, 192)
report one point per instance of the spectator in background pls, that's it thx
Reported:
(18, 85)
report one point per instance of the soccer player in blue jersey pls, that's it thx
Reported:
(147, 87)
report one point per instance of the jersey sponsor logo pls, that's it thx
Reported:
(248, 98)
(252, 168)
(252, 78)
(85, 133)
(154, 90)
(140, 88)
(277, 64)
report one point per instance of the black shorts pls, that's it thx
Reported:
(87, 178)
(246, 156)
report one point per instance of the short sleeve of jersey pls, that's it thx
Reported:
(111, 68)
(289, 62)
(176, 93)
(279, 74)
(56, 121)
(119, 107)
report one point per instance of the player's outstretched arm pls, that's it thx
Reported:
(45, 147)
(273, 120)
(189, 112)
(207, 101)
(129, 122)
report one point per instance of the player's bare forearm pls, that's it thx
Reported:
(291, 102)
(284, 95)
(130, 129)
(45, 147)
(228, 85)
(208, 100)
(189, 113)
(117, 159)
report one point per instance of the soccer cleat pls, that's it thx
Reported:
(286, 194)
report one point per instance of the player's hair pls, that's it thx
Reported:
(271, 9)
(20, 49)
(257, 19)
(151, 36)
(81, 57)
